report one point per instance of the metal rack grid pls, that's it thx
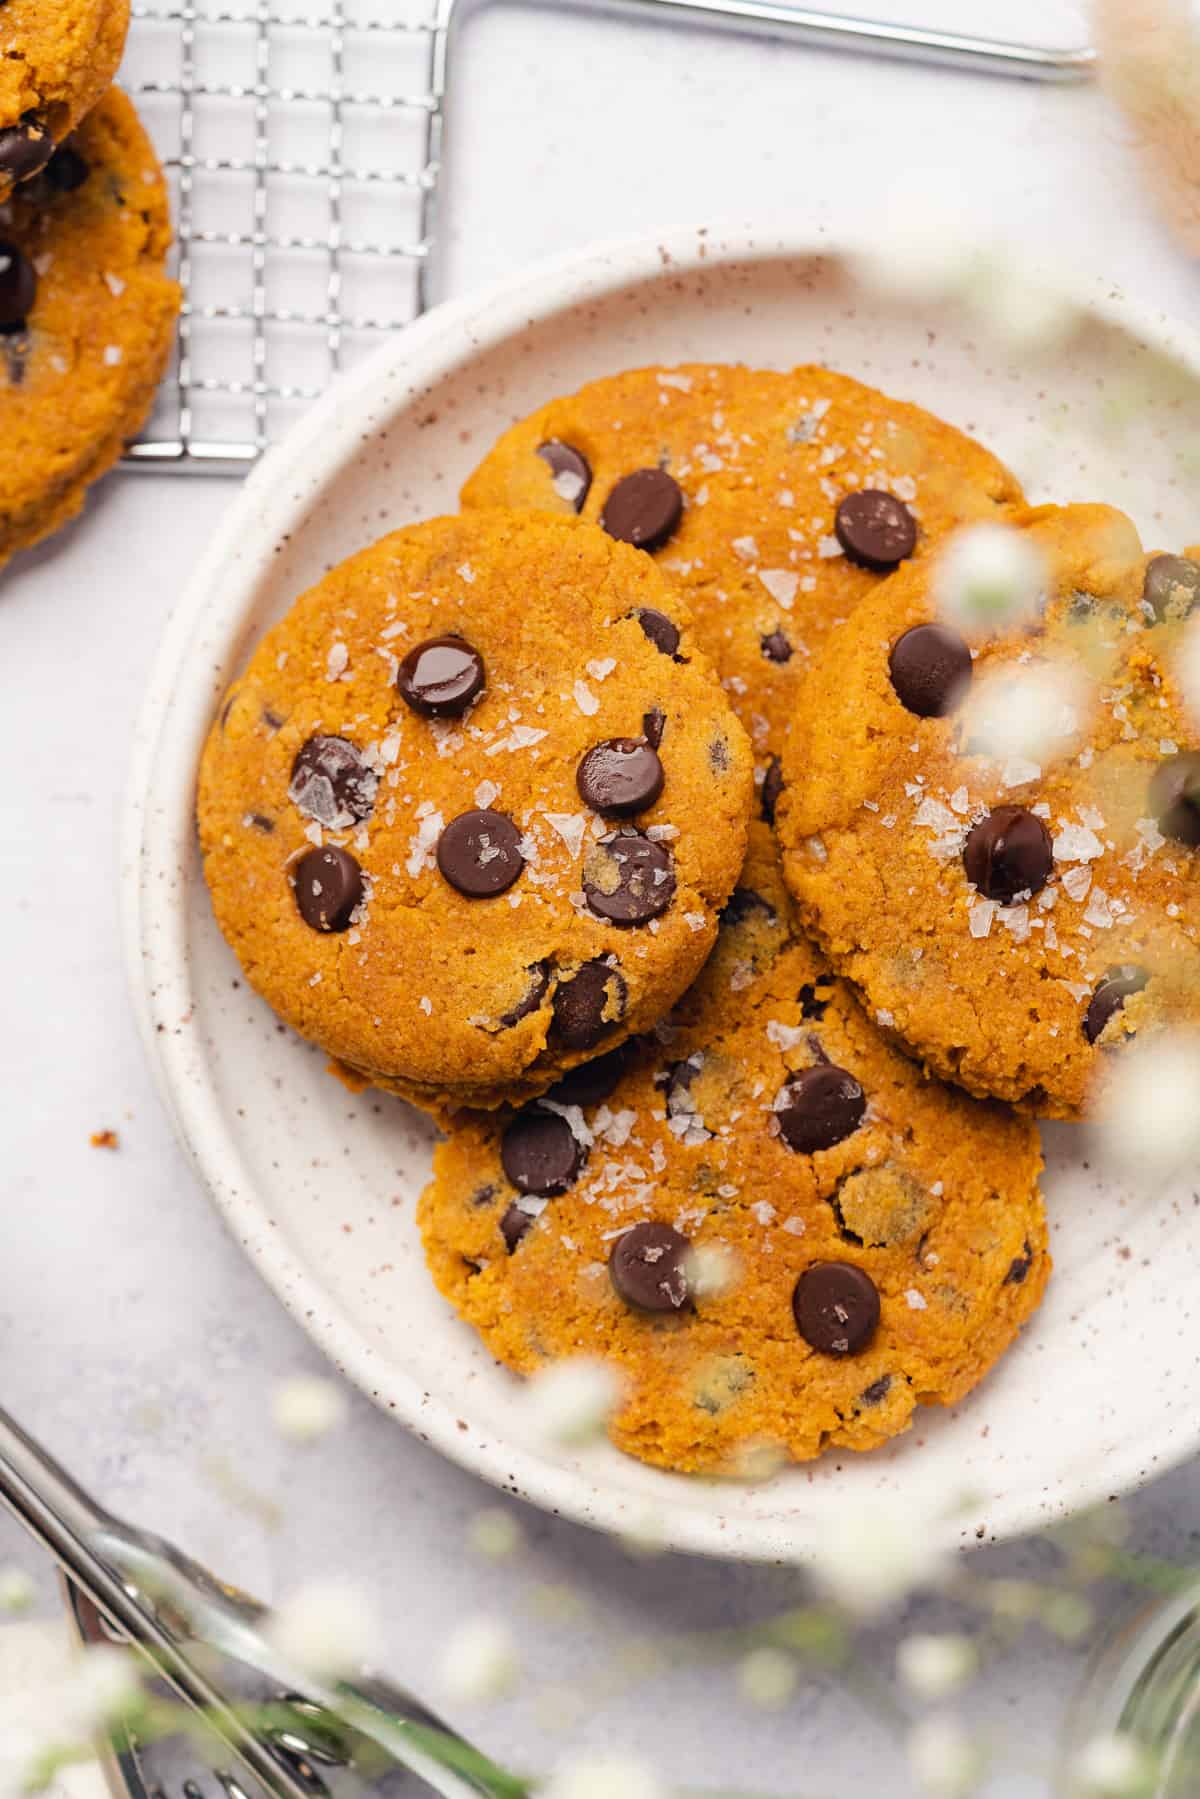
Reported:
(303, 151)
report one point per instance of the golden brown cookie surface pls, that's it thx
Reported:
(768, 467)
(87, 315)
(464, 820)
(56, 60)
(775, 1228)
(1012, 920)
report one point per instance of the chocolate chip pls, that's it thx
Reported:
(776, 647)
(539, 1154)
(813, 1002)
(67, 170)
(483, 1196)
(619, 777)
(744, 903)
(479, 853)
(930, 668)
(1171, 586)
(538, 976)
(818, 1107)
(259, 822)
(629, 879)
(24, 149)
(271, 719)
(1111, 995)
(591, 1082)
(513, 1226)
(772, 787)
(1007, 853)
(329, 888)
(1019, 1267)
(331, 783)
(836, 1307)
(662, 631)
(653, 725)
(644, 509)
(648, 1268)
(441, 677)
(15, 345)
(588, 1005)
(570, 470)
(875, 529)
(18, 287)
(1174, 797)
(877, 1391)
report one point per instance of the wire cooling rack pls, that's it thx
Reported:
(302, 148)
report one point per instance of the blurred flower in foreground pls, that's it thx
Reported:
(479, 1662)
(944, 1761)
(306, 1408)
(870, 1556)
(1148, 1122)
(495, 1533)
(327, 1627)
(569, 1402)
(933, 1667)
(603, 1777)
(1025, 714)
(767, 1678)
(1187, 667)
(16, 1590)
(1149, 60)
(1111, 1767)
(989, 578)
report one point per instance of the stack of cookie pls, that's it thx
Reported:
(87, 313)
(631, 822)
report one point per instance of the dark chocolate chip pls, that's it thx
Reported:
(538, 976)
(331, 783)
(662, 631)
(1111, 995)
(1007, 853)
(619, 777)
(653, 725)
(271, 719)
(628, 878)
(591, 1082)
(588, 1006)
(479, 853)
(1171, 586)
(18, 287)
(644, 509)
(329, 888)
(1174, 797)
(772, 787)
(744, 903)
(776, 647)
(539, 1153)
(441, 677)
(259, 822)
(877, 1391)
(818, 1107)
(814, 1003)
(648, 1268)
(836, 1307)
(67, 170)
(15, 345)
(570, 469)
(24, 149)
(875, 529)
(513, 1226)
(931, 670)
(483, 1196)
(1019, 1267)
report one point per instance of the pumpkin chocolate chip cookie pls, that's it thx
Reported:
(1013, 920)
(55, 63)
(87, 316)
(775, 501)
(464, 819)
(771, 1224)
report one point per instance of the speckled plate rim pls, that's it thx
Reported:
(158, 832)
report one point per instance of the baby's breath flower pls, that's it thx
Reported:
(603, 1777)
(1025, 713)
(1111, 1767)
(570, 1402)
(16, 1590)
(1015, 1600)
(767, 1678)
(933, 1667)
(1068, 1615)
(479, 1661)
(326, 1626)
(103, 1688)
(989, 578)
(945, 1762)
(1149, 1123)
(306, 1408)
(712, 1270)
(870, 1556)
(495, 1533)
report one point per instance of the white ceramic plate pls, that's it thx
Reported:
(1103, 1390)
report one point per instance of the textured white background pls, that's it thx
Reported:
(134, 1338)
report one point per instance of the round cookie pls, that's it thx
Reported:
(87, 316)
(780, 1234)
(465, 819)
(1012, 921)
(776, 501)
(56, 61)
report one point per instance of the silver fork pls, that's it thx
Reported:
(208, 1644)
